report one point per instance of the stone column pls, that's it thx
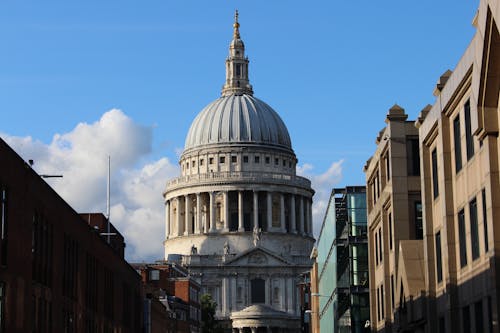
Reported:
(269, 211)
(268, 290)
(255, 209)
(282, 213)
(282, 293)
(187, 215)
(240, 330)
(198, 214)
(289, 294)
(167, 219)
(226, 211)
(225, 296)
(178, 217)
(254, 329)
(212, 212)
(301, 215)
(233, 286)
(241, 226)
(310, 218)
(293, 226)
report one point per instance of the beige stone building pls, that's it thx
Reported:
(394, 209)
(448, 281)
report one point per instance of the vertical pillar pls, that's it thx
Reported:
(256, 210)
(310, 218)
(269, 211)
(232, 282)
(293, 226)
(282, 213)
(226, 211)
(282, 293)
(289, 295)
(301, 215)
(212, 212)
(187, 215)
(241, 226)
(240, 330)
(254, 329)
(167, 219)
(198, 214)
(225, 296)
(268, 291)
(178, 217)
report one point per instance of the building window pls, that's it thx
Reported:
(211, 160)
(478, 312)
(435, 183)
(389, 222)
(222, 159)
(382, 314)
(442, 325)
(284, 163)
(474, 232)
(193, 164)
(258, 288)
(419, 229)
(3, 221)
(234, 159)
(376, 248)
(466, 319)
(201, 161)
(469, 143)
(461, 238)
(276, 161)
(2, 306)
(413, 161)
(439, 262)
(256, 159)
(378, 304)
(485, 220)
(238, 70)
(268, 160)
(458, 146)
(392, 291)
(154, 275)
(380, 253)
(387, 166)
(245, 159)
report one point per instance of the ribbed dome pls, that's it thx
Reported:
(236, 119)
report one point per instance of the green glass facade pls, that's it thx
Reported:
(343, 263)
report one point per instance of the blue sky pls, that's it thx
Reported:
(331, 69)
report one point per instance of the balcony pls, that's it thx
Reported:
(225, 177)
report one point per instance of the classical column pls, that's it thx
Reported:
(268, 291)
(255, 209)
(310, 218)
(289, 294)
(226, 211)
(212, 212)
(282, 213)
(269, 211)
(187, 215)
(167, 219)
(241, 226)
(282, 293)
(232, 281)
(293, 226)
(225, 296)
(198, 214)
(254, 329)
(301, 215)
(240, 330)
(178, 216)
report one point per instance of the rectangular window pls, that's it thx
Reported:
(485, 220)
(461, 238)
(268, 160)
(193, 164)
(378, 304)
(392, 291)
(222, 159)
(419, 229)
(3, 231)
(201, 161)
(478, 313)
(256, 159)
(388, 166)
(380, 253)
(382, 301)
(474, 229)
(435, 183)
(284, 163)
(389, 221)
(458, 146)
(154, 275)
(439, 262)
(276, 161)
(469, 143)
(490, 316)
(413, 160)
(376, 247)
(211, 160)
(238, 70)
(442, 325)
(245, 159)
(466, 320)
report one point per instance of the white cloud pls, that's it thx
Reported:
(323, 185)
(81, 156)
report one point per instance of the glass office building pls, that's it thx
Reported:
(343, 263)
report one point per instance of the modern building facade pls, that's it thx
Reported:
(342, 264)
(238, 217)
(394, 210)
(57, 273)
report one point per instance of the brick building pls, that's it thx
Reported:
(57, 273)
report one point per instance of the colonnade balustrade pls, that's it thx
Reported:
(238, 211)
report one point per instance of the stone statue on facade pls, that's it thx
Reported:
(194, 249)
(226, 248)
(257, 232)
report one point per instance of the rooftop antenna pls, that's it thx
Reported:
(108, 233)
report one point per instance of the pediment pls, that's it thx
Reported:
(258, 257)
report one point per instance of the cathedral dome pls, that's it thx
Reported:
(238, 118)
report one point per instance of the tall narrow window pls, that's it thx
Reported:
(376, 248)
(439, 263)
(389, 221)
(442, 326)
(435, 184)
(466, 319)
(458, 146)
(3, 231)
(238, 70)
(388, 166)
(478, 313)
(474, 232)
(380, 253)
(258, 291)
(468, 132)
(413, 160)
(485, 220)
(378, 304)
(392, 291)
(419, 229)
(2, 306)
(382, 301)
(461, 238)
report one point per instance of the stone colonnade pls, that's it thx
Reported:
(209, 212)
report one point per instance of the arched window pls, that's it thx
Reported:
(258, 287)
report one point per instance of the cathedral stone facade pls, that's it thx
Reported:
(238, 217)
